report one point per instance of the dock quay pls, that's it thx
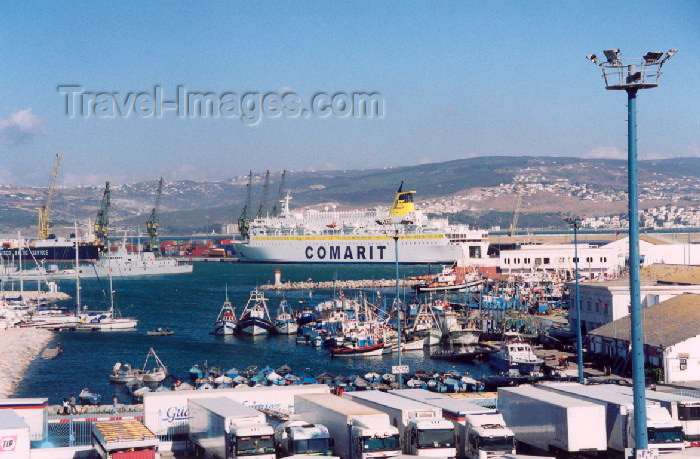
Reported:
(35, 295)
(339, 284)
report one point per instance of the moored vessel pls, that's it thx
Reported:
(255, 318)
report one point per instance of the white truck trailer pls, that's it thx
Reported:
(665, 433)
(224, 429)
(14, 436)
(358, 432)
(166, 413)
(553, 422)
(423, 430)
(481, 432)
(682, 408)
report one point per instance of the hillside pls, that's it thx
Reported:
(480, 190)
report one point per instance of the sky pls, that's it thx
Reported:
(457, 79)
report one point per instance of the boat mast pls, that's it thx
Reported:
(111, 290)
(21, 276)
(77, 273)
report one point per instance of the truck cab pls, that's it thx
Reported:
(302, 439)
(431, 438)
(665, 433)
(252, 440)
(487, 436)
(369, 441)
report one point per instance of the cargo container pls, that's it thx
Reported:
(423, 430)
(14, 436)
(358, 432)
(681, 407)
(665, 433)
(126, 439)
(481, 431)
(552, 422)
(224, 429)
(167, 413)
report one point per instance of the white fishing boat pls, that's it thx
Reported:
(457, 333)
(425, 325)
(255, 318)
(284, 322)
(517, 355)
(124, 373)
(226, 322)
(157, 374)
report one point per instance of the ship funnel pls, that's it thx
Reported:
(403, 205)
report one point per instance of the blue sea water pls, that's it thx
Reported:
(189, 304)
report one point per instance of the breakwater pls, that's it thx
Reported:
(20, 346)
(340, 284)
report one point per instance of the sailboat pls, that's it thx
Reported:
(226, 323)
(284, 322)
(255, 318)
(109, 320)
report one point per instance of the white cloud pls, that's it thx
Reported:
(425, 160)
(605, 152)
(21, 127)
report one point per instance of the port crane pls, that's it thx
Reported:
(262, 210)
(244, 219)
(516, 214)
(280, 196)
(44, 227)
(102, 220)
(152, 223)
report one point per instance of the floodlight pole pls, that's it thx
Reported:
(638, 377)
(398, 306)
(576, 222)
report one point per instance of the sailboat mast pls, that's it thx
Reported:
(77, 274)
(21, 277)
(111, 290)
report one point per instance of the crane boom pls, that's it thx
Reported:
(262, 210)
(152, 223)
(44, 226)
(244, 219)
(280, 196)
(516, 214)
(102, 220)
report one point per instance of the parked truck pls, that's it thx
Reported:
(359, 432)
(681, 407)
(296, 438)
(552, 422)
(423, 430)
(481, 431)
(224, 429)
(665, 433)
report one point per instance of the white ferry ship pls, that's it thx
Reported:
(360, 237)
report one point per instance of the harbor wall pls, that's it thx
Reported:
(20, 346)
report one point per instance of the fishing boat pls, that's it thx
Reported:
(157, 374)
(306, 315)
(89, 398)
(226, 323)
(517, 355)
(284, 322)
(446, 281)
(160, 332)
(124, 373)
(255, 318)
(464, 353)
(357, 351)
(425, 325)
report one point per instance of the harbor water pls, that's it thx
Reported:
(189, 304)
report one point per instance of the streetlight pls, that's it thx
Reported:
(575, 222)
(398, 306)
(631, 75)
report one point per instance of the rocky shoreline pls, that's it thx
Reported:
(18, 349)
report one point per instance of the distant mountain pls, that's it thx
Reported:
(466, 189)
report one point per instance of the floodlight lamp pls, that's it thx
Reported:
(670, 53)
(652, 57)
(612, 55)
(593, 58)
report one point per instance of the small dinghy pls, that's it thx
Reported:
(160, 332)
(51, 353)
(89, 398)
(123, 374)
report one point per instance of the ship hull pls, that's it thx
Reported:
(254, 326)
(286, 328)
(52, 253)
(419, 249)
(222, 327)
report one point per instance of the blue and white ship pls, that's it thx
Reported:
(226, 322)
(255, 318)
